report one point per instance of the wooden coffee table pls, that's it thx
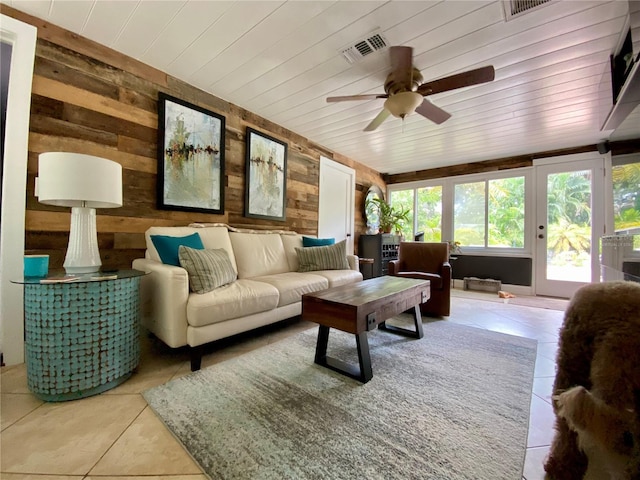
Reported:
(359, 308)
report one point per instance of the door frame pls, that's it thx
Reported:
(22, 37)
(324, 207)
(599, 164)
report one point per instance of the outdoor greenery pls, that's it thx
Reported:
(390, 218)
(626, 198)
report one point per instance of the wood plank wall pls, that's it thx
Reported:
(87, 98)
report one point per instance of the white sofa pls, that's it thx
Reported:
(269, 287)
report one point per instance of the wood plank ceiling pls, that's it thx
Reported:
(282, 59)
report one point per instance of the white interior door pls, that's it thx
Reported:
(22, 38)
(569, 223)
(336, 203)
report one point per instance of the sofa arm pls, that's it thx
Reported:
(164, 293)
(354, 262)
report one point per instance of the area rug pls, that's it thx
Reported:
(453, 405)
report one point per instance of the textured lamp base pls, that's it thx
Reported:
(83, 255)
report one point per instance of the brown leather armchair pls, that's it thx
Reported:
(427, 261)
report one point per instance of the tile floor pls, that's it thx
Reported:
(116, 436)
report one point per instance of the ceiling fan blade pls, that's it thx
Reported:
(401, 64)
(433, 113)
(376, 122)
(464, 79)
(348, 98)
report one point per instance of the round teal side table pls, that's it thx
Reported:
(82, 336)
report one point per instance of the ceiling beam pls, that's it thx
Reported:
(622, 147)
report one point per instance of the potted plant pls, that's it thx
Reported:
(389, 218)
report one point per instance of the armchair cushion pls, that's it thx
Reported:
(436, 280)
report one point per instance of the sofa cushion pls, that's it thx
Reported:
(337, 278)
(258, 254)
(291, 242)
(331, 257)
(212, 237)
(168, 246)
(292, 285)
(317, 242)
(218, 237)
(237, 299)
(207, 269)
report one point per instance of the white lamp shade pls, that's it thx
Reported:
(78, 180)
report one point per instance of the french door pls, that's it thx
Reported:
(569, 223)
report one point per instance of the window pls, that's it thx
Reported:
(469, 214)
(506, 213)
(483, 211)
(403, 200)
(429, 213)
(490, 213)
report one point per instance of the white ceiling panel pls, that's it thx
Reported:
(281, 59)
(180, 32)
(71, 15)
(239, 19)
(267, 33)
(107, 20)
(37, 8)
(140, 31)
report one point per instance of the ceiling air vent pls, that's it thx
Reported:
(516, 8)
(359, 49)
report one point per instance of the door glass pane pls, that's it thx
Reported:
(569, 226)
(626, 200)
(506, 213)
(468, 214)
(430, 213)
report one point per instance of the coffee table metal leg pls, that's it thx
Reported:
(417, 321)
(364, 358)
(321, 345)
(363, 372)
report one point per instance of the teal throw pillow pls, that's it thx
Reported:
(329, 257)
(167, 246)
(207, 269)
(317, 242)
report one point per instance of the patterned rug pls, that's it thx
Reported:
(453, 405)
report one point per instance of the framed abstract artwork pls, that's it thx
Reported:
(266, 177)
(190, 157)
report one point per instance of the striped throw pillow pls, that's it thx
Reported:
(207, 269)
(330, 257)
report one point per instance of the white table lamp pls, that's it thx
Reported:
(83, 182)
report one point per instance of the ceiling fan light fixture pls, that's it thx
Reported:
(402, 104)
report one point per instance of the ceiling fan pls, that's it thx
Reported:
(405, 92)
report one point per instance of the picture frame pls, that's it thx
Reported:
(191, 143)
(265, 177)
